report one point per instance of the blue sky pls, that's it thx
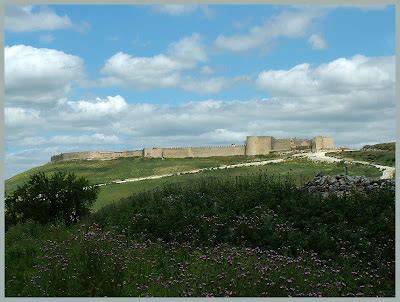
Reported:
(89, 77)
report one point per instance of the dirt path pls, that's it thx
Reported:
(387, 172)
(257, 163)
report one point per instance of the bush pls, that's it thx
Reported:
(258, 211)
(62, 197)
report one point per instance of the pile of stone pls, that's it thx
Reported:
(343, 184)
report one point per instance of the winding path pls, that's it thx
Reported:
(387, 172)
(257, 163)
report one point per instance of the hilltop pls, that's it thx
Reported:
(120, 169)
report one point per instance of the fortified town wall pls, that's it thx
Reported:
(255, 145)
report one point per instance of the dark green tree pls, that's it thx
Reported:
(60, 197)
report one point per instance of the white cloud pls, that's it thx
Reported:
(183, 9)
(206, 70)
(317, 42)
(290, 24)
(340, 76)
(21, 117)
(352, 100)
(99, 107)
(176, 9)
(22, 160)
(141, 72)
(94, 139)
(39, 75)
(23, 19)
(163, 70)
(63, 140)
(188, 51)
(211, 85)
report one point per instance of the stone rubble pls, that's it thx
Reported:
(343, 184)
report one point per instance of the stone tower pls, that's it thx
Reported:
(258, 145)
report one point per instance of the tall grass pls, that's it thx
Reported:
(254, 235)
(380, 157)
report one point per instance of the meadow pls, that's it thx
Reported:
(300, 170)
(102, 171)
(248, 231)
(252, 235)
(380, 154)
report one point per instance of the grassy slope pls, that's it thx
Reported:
(103, 171)
(379, 157)
(381, 154)
(301, 170)
(251, 237)
(383, 146)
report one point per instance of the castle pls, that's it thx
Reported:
(255, 145)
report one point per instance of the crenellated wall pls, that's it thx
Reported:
(255, 145)
(219, 151)
(177, 152)
(194, 151)
(95, 155)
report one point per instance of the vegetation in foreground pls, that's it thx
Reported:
(380, 154)
(300, 170)
(244, 236)
(62, 196)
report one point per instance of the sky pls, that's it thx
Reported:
(124, 77)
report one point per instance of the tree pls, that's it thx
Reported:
(61, 197)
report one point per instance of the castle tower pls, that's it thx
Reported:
(322, 143)
(258, 145)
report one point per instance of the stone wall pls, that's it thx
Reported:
(281, 144)
(255, 145)
(328, 143)
(177, 152)
(219, 151)
(153, 152)
(301, 143)
(322, 143)
(317, 143)
(194, 151)
(258, 145)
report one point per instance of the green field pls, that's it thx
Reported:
(379, 157)
(254, 235)
(123, 168)
(248, 231)
(383, 146)
(101, 171)
(300, 170)
(380, 154)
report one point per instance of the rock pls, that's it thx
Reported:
(344, 184)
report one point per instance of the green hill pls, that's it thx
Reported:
(383, 146)
(380, 154)
(102, 171)
(119, 169)
(232, 227)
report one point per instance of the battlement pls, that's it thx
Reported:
(255, 145)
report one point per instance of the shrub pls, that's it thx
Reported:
(62, 197)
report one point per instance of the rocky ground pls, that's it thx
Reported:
(343, 184)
